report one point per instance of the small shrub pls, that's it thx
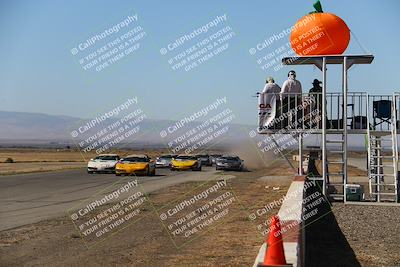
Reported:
(9, 160)
(75, 236)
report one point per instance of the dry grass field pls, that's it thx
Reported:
(27, 160)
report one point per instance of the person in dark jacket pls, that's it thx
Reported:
(316, 93)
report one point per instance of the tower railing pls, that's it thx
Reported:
(295, 112)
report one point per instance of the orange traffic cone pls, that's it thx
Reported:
(274, 254)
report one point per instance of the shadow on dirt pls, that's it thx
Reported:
(326, 244)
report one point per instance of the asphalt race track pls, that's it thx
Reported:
(29, 198)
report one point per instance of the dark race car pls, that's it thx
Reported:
(229, 163)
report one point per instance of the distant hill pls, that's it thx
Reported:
(34, 126)
(23, 128)
(37, 128)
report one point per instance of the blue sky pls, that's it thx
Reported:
(39, 74)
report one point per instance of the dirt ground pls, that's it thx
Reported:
(353, 235)
(372, 232)
(232, 242)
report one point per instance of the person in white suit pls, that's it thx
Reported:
(270, 89)
(269, 102)
(291, 94)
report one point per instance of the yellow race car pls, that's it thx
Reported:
(185, 162)
(135, 164)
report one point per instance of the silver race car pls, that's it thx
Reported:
(164, 161)
(229, 163)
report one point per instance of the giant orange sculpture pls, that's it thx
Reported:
(320, 33)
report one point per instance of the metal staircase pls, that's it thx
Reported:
(336, 173)
(383, 159)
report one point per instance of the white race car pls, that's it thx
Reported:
(103, 163)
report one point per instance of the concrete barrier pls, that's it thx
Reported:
(293, 233)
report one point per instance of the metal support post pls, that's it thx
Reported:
(324, 126)
(301, 154)
(345, 91)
